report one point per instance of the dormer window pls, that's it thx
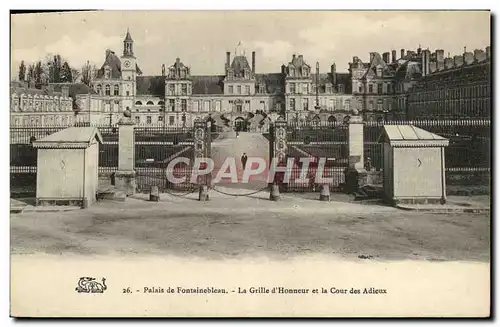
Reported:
(379, 71)
(292, 72)
(305, 72)
(230, 74)
(341, 88)
(328, 88)
(107, 72)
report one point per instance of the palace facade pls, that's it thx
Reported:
(413, 84)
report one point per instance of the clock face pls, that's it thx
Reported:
(126, 63)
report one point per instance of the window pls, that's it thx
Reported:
(184, 89)
(171, 89)
(370, 88)
(347, 105)
(148, 119)
(331, 104)
(379, 88)
(380, 104)
(305, 88)
(370, 104)
(184, 105)
(389, 88)
(137, 119)
(138, 103)
(108, 90)
(150, 103)
(230, 89)
(116, 90)
(247, 89)
(292, 88)
(161, 103)
(305, 105)
(292, 104)
(360, 89)
(206, 106)
(171, 120)
(128, 93)
(341, 88)
(107, 72)
(328, 89)
(99, 89)
(217, 106)
(160, 118)
(171, 104)
(238, 88)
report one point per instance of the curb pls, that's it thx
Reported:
(445, 210)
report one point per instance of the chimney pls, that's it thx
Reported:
(408, 53)
(402, 53)
(426, 57)
(293, 57)
(440, 59)
(65, 90)
(228, 59)
(283, 69)
(448, 63)
(488, 52)
(458, 60)
(386, 57)
(468, 58)
(393, 55)
(432, 67)
(372, 55)
(108, 52)
(333, 70)
(479, 55)
(253, 62)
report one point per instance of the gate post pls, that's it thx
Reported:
(201, 150)
(277, 152)
(355, 173)
(125, 175)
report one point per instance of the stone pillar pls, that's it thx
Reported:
(125, 175)
(355, 173)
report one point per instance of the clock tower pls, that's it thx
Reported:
(129, 73)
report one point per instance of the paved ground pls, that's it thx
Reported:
(235, 227)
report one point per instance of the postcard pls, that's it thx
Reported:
(178, 163)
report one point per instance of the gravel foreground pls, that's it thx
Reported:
(239, 227)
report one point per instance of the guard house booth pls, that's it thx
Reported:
(414, 166)
(67, 168)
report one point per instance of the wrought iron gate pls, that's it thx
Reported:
(315, 141)
(156, 148)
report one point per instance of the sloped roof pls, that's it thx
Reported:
(128, 37)
(409, 135)
(208, 84)
(74, 88)
(114, 63)
(150, 85)
(239, 64)
(274, 82)
(72, 137)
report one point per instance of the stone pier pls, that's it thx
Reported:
(355, 173)
(125, 175)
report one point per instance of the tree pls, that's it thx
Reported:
(65, 74)
(22, 72)
(40, 79)
(54, 66)
(88, 73)
(31, 74)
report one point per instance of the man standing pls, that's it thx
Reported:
(244, 160)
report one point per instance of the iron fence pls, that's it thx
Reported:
(469, 147)
(322, 140)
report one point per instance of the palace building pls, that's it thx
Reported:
(177, 97)
(416, 84)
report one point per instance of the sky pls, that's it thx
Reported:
(201, 38)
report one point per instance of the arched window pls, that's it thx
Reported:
(116, 90)
(161, 103)
(332, 119)
(108, 90)
(138, 103)
(150, 103)
(346, 119)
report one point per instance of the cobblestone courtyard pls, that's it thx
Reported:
(236, 227)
